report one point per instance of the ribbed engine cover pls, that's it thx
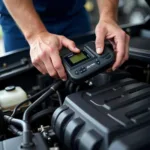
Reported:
(113, 117)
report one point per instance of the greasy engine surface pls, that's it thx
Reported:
(115, 116)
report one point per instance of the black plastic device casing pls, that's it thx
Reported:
(113, 117)
(90, 67)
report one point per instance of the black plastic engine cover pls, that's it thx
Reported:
(113, 117)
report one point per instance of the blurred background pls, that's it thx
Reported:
(129, 12)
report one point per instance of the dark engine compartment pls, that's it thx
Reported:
(108, 112)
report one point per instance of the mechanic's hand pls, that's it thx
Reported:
(44, 52)
(108, 29)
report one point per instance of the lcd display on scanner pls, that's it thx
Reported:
(77, 58)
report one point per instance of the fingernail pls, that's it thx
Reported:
(64, 79)
(99, 50)
(114, 69)
(76, 49)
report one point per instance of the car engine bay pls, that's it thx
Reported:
(110, 111)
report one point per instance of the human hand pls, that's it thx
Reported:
(44, 52)
(108, 29)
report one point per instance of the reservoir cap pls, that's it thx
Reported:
(10, 88)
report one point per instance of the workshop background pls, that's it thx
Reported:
(129, 12)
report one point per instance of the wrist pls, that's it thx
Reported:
(108, 19)
(107, 14)
(31, 35)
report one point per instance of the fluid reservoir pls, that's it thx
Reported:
(11, 96)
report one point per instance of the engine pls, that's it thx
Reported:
(110, 111)
(106, 112)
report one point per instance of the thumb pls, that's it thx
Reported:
(100, 38)
(69, 44)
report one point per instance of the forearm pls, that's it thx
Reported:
(108, 9)
(26, 17)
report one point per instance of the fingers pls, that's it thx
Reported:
(122, 42)
(36, 61)
(49, 62)
(45, 57)
(57, 63)
(49, 67)
(42, 66)
(113, 44)
(39, 68)
(127, 48)
(118, 38)
(42, 61)
(119, 54)
(100, 38)
(53, 63)
(69, 44)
